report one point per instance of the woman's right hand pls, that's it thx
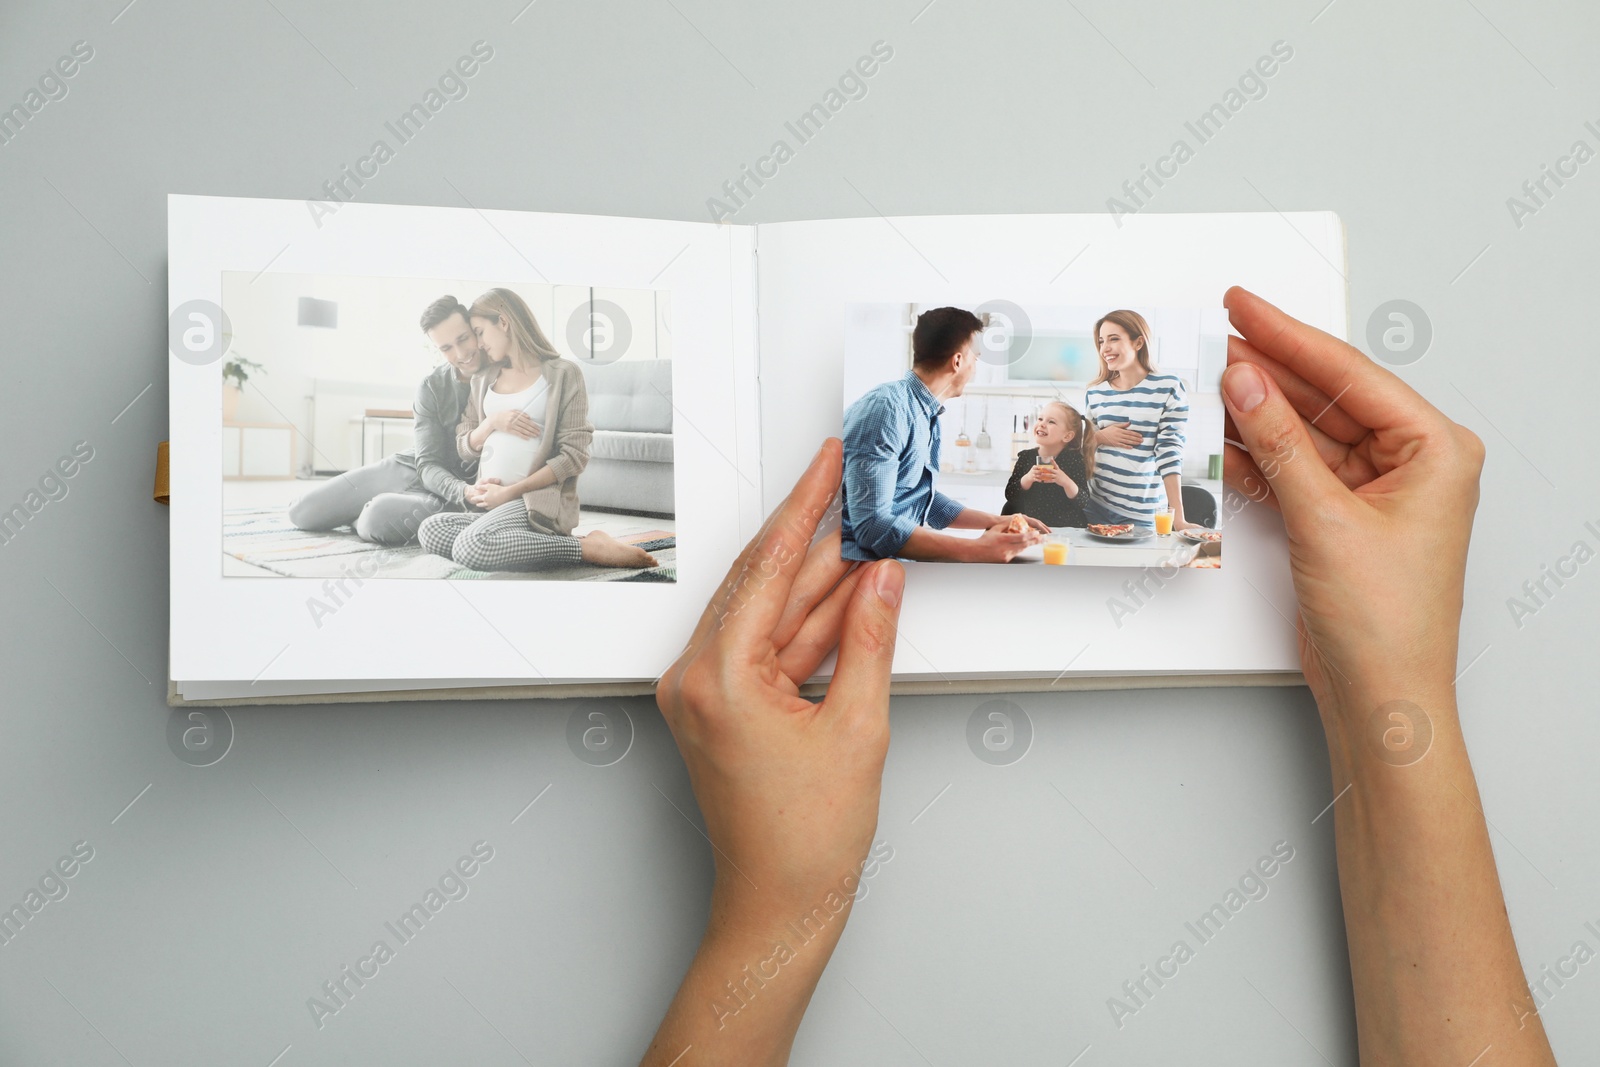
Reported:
(1377, 489)
(514, 422)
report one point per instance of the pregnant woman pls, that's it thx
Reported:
(1051, 482)
(527, 424)
(1141, 420)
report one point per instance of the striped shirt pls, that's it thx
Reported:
(891, 451)
(1128, 480)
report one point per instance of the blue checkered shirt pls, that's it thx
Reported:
(891, 451)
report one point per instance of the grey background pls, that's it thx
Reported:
(1023, 897)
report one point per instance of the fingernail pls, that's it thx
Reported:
(1244, 385)
(891, 581)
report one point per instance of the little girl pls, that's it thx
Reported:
(1051, 482)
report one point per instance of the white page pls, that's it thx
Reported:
(961, 621)
(248, 629)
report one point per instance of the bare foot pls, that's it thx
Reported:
(601, 548)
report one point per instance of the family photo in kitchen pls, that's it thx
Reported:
(446, 428)
(1061, 436)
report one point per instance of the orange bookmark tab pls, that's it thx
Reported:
(161, 494)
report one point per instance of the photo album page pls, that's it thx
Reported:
(437, 448)
(424, 450)
(1058, 376)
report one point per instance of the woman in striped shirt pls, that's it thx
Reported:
(1140, 418)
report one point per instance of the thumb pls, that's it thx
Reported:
(866, 642)
(1279, 443)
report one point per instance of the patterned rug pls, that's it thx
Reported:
(264, 537)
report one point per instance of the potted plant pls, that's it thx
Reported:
(235, 372)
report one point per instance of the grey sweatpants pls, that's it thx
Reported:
(384, 501)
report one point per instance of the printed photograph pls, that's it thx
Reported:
(446, 428)
(1064, 436)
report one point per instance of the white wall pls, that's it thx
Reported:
(377, 353)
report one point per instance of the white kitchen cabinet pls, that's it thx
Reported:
(257, 450)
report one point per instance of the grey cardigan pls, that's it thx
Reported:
(563, 447)
(441, 396)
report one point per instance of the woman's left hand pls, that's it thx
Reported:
(788, 788)
(489, 494)
(1120, 435)
(1184, 525)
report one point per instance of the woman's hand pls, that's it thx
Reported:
(1118, 435)
(1377, 490)
(513, 422)
(489, 494)
(788, 788)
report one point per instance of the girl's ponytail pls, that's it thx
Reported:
(1086, 443)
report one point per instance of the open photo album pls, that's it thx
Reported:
(452, 452)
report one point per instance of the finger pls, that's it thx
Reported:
(1278, 442)
(1240, 474)
(751, 597)
(819, 634)
(819, 574)
(1373, 396)
(1312, 403)
(1349, 461)
(860, 686)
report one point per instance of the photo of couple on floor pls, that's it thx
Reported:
(506, 437)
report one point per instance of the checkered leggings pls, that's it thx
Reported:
(500, 540)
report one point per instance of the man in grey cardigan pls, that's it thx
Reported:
(385, 501)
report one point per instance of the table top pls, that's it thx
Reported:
(1084, 549)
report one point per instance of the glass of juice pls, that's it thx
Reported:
(1163, 521)
(1055, 551)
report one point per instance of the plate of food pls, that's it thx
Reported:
(1201, 537)
(1117, 531)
